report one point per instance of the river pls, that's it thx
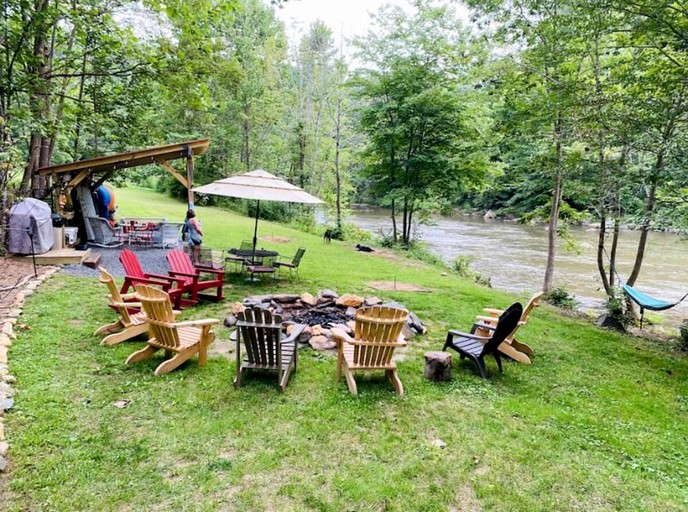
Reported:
(514, 257)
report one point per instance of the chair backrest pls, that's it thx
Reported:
(103, 232)
(160, 316)
(508, 321)
(246, 245)
(377, 324)
(115, 296)
(298, 256)
(261, 332)
(532, 304)
(181, 262)
(130, 262)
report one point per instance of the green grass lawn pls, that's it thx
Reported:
(599, 421)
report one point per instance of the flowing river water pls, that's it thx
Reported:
(514, 257)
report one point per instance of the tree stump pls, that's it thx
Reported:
(438, 366)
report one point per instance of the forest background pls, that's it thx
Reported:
(557, 110)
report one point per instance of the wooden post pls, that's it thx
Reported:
(437, 366)
(189, 179)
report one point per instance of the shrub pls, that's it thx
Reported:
(684, 334)
(560, 298)
(462, 266)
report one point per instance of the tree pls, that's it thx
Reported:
(420, 131)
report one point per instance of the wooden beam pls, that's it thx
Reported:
(172, 171)
(78, 179)
(189, 179)
(131, 158)
(106, 176)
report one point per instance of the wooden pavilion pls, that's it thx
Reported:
(78, 179)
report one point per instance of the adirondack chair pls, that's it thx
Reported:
(134, 275)
(182, 267)
(293, 264)
(266, 348)
(476, 347)
(183, 339)
(240, 261)
(377, 334)
(131, 321)
(511, 347)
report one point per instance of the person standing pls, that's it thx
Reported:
(192, 226)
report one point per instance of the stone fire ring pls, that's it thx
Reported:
(320, 313)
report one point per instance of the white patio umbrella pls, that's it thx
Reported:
(260, 186)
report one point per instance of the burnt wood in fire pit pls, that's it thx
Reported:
(321, 316)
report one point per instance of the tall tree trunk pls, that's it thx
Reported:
(77, 123)
(556, 205)
(404, 217)
(39, 104)
(246, 133)
(602, 214)
(667, 136)
(645, 228)
(617, 216)
(394, 223)
(337, 173)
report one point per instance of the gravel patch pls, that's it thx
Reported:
(153, 261)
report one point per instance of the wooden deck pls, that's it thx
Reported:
(66, 256)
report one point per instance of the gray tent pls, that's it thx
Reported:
(30, 218)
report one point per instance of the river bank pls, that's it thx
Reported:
(514, 255)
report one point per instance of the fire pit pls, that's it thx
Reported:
(320, 313)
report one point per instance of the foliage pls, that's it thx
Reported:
(417, 109)
(462, 266)
(560, 298)
(684, 334)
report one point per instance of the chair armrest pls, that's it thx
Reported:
(185, 274)
(128, 296)
(127, 304)
(467, 335)
(493, 311)
(170, 279)
(298, 329)
(144, 280)
(197, 323)
(210, 270)
(487, 319)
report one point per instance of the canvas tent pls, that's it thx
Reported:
(29, 219)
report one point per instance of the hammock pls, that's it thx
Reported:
(647, 302)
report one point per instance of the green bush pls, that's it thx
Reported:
(462, 266)
(560, 298)
(684, 335)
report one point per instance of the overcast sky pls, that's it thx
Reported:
(346, 18)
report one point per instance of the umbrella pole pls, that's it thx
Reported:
(255, 233)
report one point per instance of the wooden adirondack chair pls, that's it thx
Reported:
(131, 321)
(292, 265)
(266, 349)
(134, 275)
(476, 347)
(183, 339)
(511, 347)
(377, 334)
(182, 267)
